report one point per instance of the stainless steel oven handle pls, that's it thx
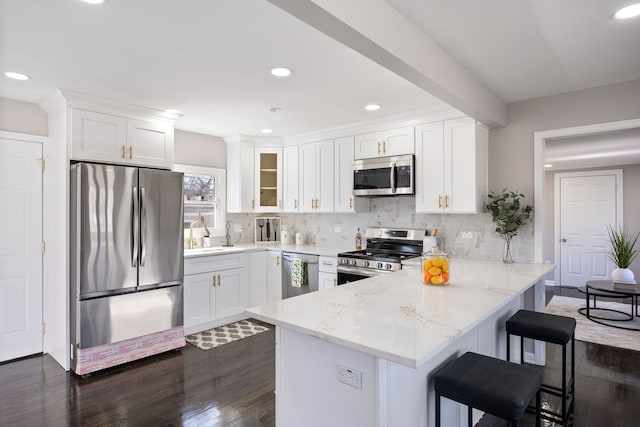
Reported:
(393, 177)
(367, 272)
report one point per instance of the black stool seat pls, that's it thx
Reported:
(541, 326)
(500, 388)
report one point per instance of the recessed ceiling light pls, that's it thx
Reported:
(548, 165)
(630, 11)
(93, 1)
(16, 76)
(266, 130)
(173, 111)
(372, 107)
(281, 72)
(275, 109)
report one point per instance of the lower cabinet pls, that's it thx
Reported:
(328, 274)
(274, 276)
(257, 278)
(216, 291)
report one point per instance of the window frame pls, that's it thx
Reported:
(220, 202)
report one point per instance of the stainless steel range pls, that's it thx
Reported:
(386, 249)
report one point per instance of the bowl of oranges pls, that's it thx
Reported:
(435, 268)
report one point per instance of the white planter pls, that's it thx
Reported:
(622, 275)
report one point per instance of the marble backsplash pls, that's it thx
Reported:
(395, 212)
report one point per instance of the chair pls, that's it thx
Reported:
(552, 329)
(497, 387)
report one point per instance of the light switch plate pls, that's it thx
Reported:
(466, 235)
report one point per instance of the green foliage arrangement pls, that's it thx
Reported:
(509, 215)
(623, 247)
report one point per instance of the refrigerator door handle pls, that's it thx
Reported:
(134, 230)
(143, 226)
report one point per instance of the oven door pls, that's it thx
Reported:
(353, 274)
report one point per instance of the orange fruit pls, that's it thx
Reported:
(445, 265)
(445, 277)
(438, 261)
(426, 277)
(435, 271)
(426, 264)
(436, 280)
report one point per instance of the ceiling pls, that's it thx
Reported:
(211, 59)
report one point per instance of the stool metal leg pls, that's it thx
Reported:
(469, 416)
(508, 347)
(538, 408)
(437, 409)
(564, 384)
(522, 350)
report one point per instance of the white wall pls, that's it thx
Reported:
(199, 150)
(23, 117)
(511, 148)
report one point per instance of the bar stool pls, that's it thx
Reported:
(499, 388)
(552, 329)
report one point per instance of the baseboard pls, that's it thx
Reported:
(550, 283)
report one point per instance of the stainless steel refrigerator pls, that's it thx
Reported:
(126, 264)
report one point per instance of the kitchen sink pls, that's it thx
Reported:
(214, 249)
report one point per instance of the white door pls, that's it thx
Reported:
(589, 203)
(325, 191)
(344, 175)
(20, 249)
(229, 300)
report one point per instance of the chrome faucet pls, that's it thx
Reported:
(192, 241)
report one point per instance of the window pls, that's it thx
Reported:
(204, 197)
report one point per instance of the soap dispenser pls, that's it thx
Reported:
(358, 241)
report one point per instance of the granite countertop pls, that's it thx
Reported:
(252, 247)
(396, 317)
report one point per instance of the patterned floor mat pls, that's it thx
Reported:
(206, 340)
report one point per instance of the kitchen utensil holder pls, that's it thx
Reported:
(270, 230)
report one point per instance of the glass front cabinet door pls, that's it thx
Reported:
(268, 180)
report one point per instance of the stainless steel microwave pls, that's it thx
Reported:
(384, 176)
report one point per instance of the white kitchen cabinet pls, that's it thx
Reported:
(274, 276)
(316, 172)
(451, 166)
(386, 143)
(257, 278)
(268, 179)
(328, 272)
(113, 139)
(344, 199)
(216, 291)
(240, 177)
(290, 179)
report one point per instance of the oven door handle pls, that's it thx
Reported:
(393, 177)
(361, 271)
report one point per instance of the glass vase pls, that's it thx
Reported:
(507, 251)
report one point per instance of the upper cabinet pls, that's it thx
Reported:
(290, 179)
(344, 199)
(387, 143)
(315, 185)
(112, 139)
(240, 177)
(268, 179)
(451, 166)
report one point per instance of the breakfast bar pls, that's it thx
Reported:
(364, 353)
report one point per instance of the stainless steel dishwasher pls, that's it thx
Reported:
(310, 278)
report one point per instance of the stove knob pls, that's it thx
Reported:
(379, 265)
(388, 266)
(353, 262)
(365, 263)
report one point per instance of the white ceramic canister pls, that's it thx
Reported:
(284, 235)
(299, 239)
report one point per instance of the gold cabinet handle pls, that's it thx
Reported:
(350, 202)
(130, 152)
(123, 152)
(295, 203)
(327, 263)
(278, 260)
(213, 280)
(218, 280)
(317, 203)
(384, 146)
(446, 201)
(378, 147)
(253, 204)
(280, 204)
(439, 200)
(335, 282)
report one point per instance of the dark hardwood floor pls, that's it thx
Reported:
(233, 385)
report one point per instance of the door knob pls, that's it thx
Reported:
(563, 240)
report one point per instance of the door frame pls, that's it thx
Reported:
(540, 138)
(556, 208)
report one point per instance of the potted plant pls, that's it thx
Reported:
(509, 215)
(623, 251)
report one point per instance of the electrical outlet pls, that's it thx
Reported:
(337, 229)
(349, 376)
(466, 235)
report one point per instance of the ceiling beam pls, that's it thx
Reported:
(376, 30)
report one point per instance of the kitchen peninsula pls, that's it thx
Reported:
(387, 335)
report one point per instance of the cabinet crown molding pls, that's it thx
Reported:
(61, 98)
